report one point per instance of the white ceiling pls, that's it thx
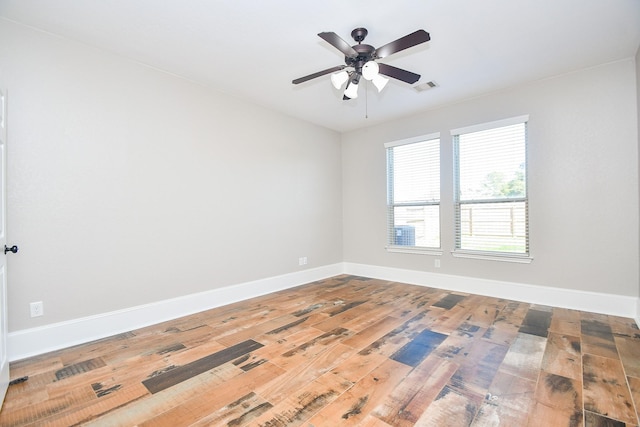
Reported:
(252, 49)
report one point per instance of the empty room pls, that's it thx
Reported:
(242, 213)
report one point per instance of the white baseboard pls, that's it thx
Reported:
(618, 305)
(34, 341)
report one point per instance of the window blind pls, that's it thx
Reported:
(491, 201)
(413, 192)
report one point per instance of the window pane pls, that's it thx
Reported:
(492, 164)
(500, 227)
(417, 226)
(416, 172)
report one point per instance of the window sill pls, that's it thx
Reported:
(522, 259)
(414, 250)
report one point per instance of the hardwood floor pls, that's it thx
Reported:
(345, 351)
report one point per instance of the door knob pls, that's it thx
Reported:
(13, 249)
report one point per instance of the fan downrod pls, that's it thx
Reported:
(359, 34)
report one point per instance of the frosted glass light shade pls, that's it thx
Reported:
(370, 70)
(380, 82)
(352, 90)
(338, 79)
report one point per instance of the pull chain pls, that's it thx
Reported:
(366, 99)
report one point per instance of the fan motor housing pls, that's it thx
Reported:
(365, 54)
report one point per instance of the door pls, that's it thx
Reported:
(4, 359)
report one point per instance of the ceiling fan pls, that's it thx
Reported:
(361, 58)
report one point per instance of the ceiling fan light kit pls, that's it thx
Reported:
(361, 58)
(379, 82)
(370, 70)
(351, 92)
(339, 78)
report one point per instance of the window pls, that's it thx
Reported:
(413, 194)
(491, 190)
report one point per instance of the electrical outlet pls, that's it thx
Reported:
(436, 263)
(302, 260)
(37, 309)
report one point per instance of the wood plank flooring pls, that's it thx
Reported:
(345, 351)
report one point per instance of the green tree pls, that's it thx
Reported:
(494, 185)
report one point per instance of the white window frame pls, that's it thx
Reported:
(490, 255)
(390, 205)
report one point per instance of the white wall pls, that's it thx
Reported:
(583, 183)
(127, 185)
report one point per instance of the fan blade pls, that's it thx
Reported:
(398, 73)
(334, 40)
(318, 74)
(403, 43)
